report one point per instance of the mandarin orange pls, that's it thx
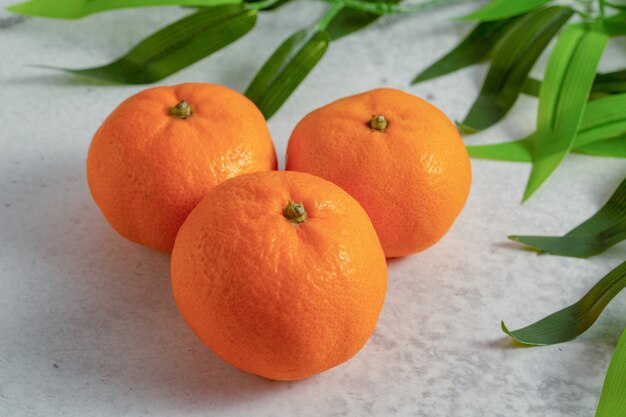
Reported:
(162, 150)
(397, 154)
(281, 274)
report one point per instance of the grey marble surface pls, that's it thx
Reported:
(88, 326)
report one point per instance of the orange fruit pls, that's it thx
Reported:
(281, 274)
(162, 150)
(397, 154)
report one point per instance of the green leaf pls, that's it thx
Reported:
(514, 151)
(75, 9)
(574, 320)
(349, 21)
(286, 68)
(603, 230)
(607, 83)
(567, 83)
(613, 397)
(266, 5)
(615, 148)
(177, 46)
(615, 5)
(615, 25)
(531, 87)
(512, 61)
(473, 49)
(501, 9)
(610, 82)
(603, 120)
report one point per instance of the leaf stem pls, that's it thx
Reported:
(615, 5)
(602, 11)
(260, 5)
(330, 14)
(389, 8)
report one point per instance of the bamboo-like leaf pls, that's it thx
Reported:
(177, 46)
(610, 82)
(574, 320)
(613, 397)
(567, 83)
(266, 7)
(603, 230)
(615, 25)
(501, 9)
(286, 68)
(75, 9)
(531, 87)
(606, 83)
(614, 147)
(349, 21)
(473, 49)
(512, 61)
(601, 131)
(514, 151)
(602, 119)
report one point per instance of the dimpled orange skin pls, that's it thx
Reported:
(413, 178)
(277, 299)
(147, 169)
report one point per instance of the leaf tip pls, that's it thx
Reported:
(528, 192)
(465, 128)
(15, 8)
(418, 78)
(505, 330)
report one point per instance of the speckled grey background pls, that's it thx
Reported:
(87, 323)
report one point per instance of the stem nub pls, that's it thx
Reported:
(295, 212)
(181, 111)
(378, 123)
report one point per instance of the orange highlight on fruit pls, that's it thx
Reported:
(281, 274)
(162, 150)
(397, 154)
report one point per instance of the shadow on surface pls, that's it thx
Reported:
(97, 315)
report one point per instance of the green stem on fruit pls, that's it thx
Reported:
(181, 111)
(295, 212)
(378, 123)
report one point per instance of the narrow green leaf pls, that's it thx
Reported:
(266, 5)
(603, 84)
(501, 9)
(514, 151)
(177, 46)
(567, 83)
(286, 68)
(615, 25)
(617, 6)
(613, 397)
(600, 132)
(601, 231)
(531, 87)
(349, 21)
(473, 49)
(512, 61)
(75, 9)
(610, 82)
(574, 320)
(602, 119)
(614, 147)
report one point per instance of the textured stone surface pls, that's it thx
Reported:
(88, 325)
